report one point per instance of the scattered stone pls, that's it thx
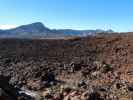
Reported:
(130, 88)
(82, 83)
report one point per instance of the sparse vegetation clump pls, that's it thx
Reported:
(107, 68)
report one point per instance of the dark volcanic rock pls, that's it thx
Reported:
(8, 92)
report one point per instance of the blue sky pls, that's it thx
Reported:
(74, 14)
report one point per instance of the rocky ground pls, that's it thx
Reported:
(91, 68)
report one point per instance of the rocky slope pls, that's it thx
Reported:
(90, 68)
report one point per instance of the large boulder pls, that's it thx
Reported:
(8, 92)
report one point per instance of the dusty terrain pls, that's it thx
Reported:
(91, 68)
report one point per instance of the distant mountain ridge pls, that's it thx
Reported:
(38, 30)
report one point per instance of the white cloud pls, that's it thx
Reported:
(7, 26)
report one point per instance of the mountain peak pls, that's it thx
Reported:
(36, 24)
(34, 28)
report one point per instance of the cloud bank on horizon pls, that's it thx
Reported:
(7, 26)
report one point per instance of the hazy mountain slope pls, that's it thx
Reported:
(38, 30)
(30, 30)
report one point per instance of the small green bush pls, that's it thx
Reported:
(107, 68)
